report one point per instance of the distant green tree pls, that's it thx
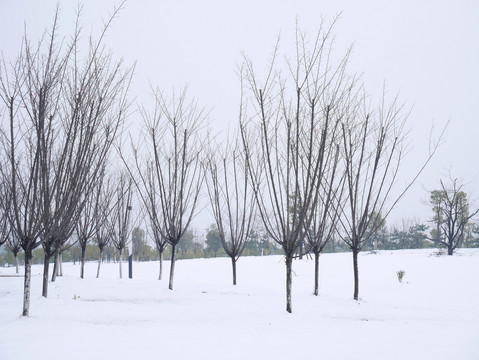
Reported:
(13, 244)
(474, 239)
(451, 215)
(436, 199)
(197, 249)
(417, 237)
(376, 233)
(398, 239)
(265, 245)
(186, 243)
(213, 240)
(252, 246)
(139, 244)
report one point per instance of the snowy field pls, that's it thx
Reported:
(433, 314)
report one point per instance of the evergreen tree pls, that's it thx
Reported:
(451, 215)
(213, 240)
(139, 245)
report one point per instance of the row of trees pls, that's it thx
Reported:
(408, 235)
(63, 106)
(190, 247)
(313, 159)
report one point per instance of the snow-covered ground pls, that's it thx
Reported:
(433, 314)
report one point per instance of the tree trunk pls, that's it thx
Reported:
(16, 263)
(99, 264)
(316, 272)
(233, 263)
(356, 273)
(160, 276)
(46, 269)
(55, 266)
(289, 282)
(172, 266)
(301, 251)
(121, 274)
(450, 248)
(26, 286)
(60, 265)
(82, 264)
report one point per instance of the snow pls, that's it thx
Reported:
(432, 314)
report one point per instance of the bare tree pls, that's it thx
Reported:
(63, 113)
(161, 245)
(287, 162)
(453, 215)
(232, 201)
(86, 227)
(373, 150)
(105, 207)
(20, 175)
(326, 212)
(7, 235)
(175, 167)
(374, 145)
(76, 146)
(145, 180)
(14, 245)
(119, 223)
(5, 228)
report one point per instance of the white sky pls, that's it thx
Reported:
(427, 50)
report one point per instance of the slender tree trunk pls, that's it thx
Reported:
(301, 251)
(316, 272)
(160, 276)
(233, 263)
(16, 263)
(172, 266)
(82, 264)
(289, 282)
(356, 273)
(27, 279)
(60, 265)
(99, 264)
(46, 269)
(55, 266)
(121, 274)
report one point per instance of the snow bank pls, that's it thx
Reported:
(432, 314)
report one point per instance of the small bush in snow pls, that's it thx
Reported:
(400, 275)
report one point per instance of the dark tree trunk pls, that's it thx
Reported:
(172, 266)
(301, 251)
(26, 288)
(233, 263)
(56, 260)
(450, 248)
(356, 273)
(160, 276)
(316, 273)
(16, 263)
(289, 282)
(82, 264)
(46, 270)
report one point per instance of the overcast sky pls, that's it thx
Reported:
(426, 50)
